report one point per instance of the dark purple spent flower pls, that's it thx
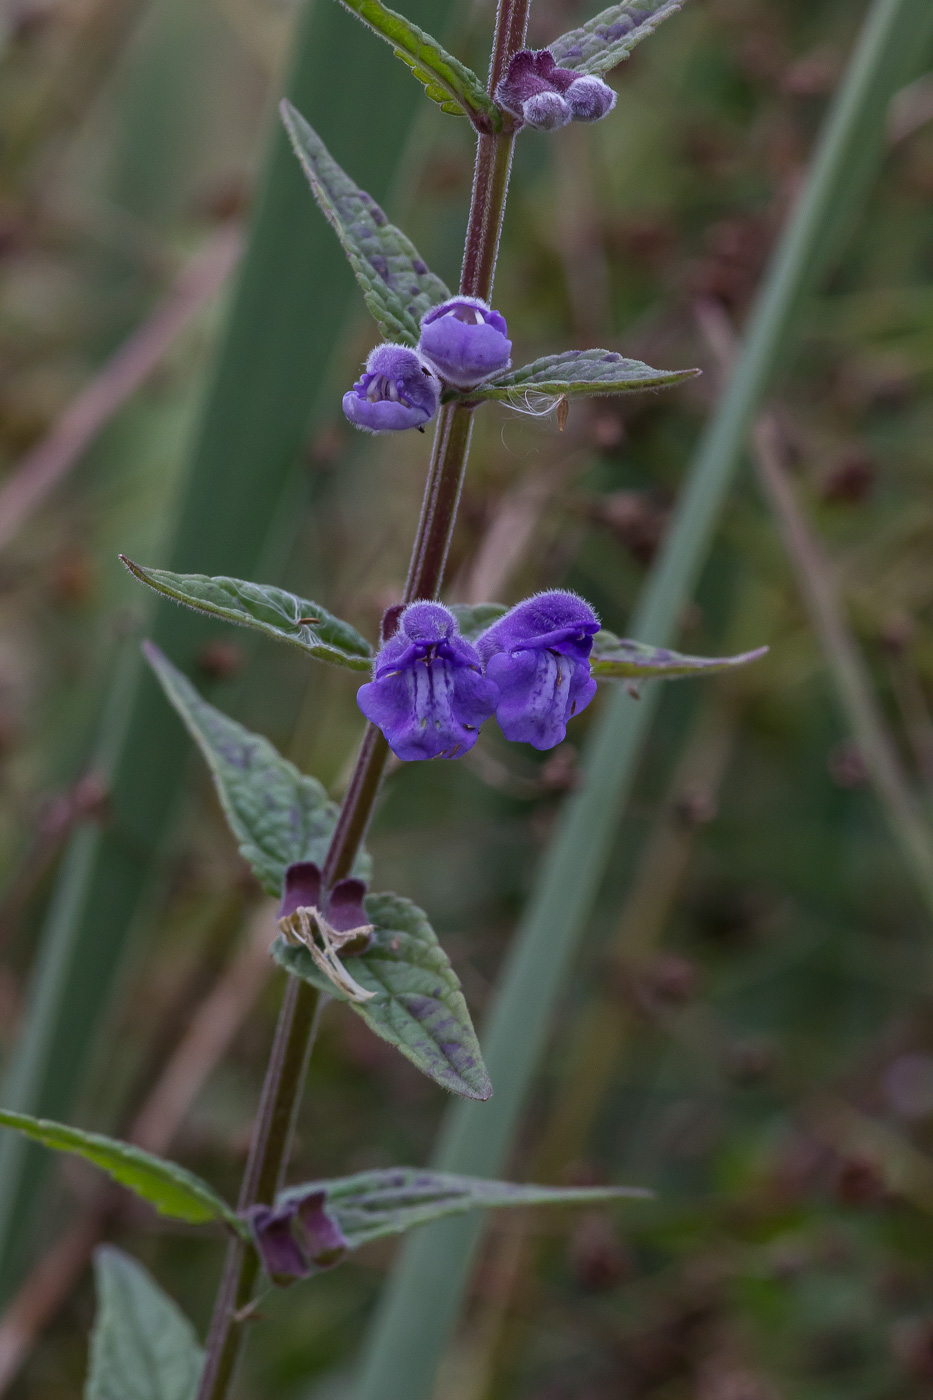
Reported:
(538, 655)
(321, 1236)
(398, 390)
(296, 1239)
(589, 99)
(282, 1257)
(302, 888)
(465, 341)
(428, 694)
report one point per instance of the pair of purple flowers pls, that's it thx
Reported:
(463, 341)
(432, 689)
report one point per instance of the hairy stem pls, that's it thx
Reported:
(295, 1032)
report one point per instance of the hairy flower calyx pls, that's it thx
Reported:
(538, 657)
(465, 341)
(399, 389)
(542, 95)
(428, 694)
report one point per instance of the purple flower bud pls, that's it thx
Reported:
(398, 390)
(538, 656)
(465, 341)
(546, 110)
(428, 694)
(589, 99)
(543, 95)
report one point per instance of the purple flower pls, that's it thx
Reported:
(297, 1238)
(428, 694)
(342, 907)
(538, 656)
(545, 96)
(398, 390)
(465, 341)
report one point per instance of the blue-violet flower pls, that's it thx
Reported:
(398, 390)
(543, 95)
(465, 341)
(538, 657)
(428, 694)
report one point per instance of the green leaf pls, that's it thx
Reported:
(576, 372)
(378, 1203)
(275, 612)
(475, 618)
(397, 286)
(170, 1188)
(446, 80)
(605, 41)
(616, 658)
(277, 814)
(142, 1347)
(418, 1006)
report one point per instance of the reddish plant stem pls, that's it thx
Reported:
(295, 1032)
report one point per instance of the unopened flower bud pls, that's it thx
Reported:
(465, 341)
(538, 656)
(428, 694)
(589, 99)
(547, 111)
(545, 96)
(398, 390)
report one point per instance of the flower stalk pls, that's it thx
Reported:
(298, 1016)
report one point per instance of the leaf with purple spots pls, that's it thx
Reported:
(417, 1004)
(576, 372)
(397, 285)
(605, 41)
(616, 658)
(277, 814)
(374, 1204)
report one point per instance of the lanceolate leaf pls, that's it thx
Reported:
(275, 612)
(446, 80)
(373, 1204)
(142, 1347)
(576, 372)
(397, 286)
(475, 618)
(614, 658)
(609, 38)
(277, 814)
(170, 1188)
(418, 1005)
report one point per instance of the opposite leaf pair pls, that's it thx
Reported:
(463, 342)
(432, 689)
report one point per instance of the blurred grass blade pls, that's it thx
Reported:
(426, 1288)
(293, 293)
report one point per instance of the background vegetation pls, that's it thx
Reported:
(747, 1027)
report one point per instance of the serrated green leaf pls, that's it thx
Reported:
(575, 372)
(446, 80)
(474, 618)
(170, 1188)
(397, 285)
(418, 1006)
(370, 1205)
(615, 658)
(142, 1346)
(274, 611)
(277, 814)
(603, 42)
